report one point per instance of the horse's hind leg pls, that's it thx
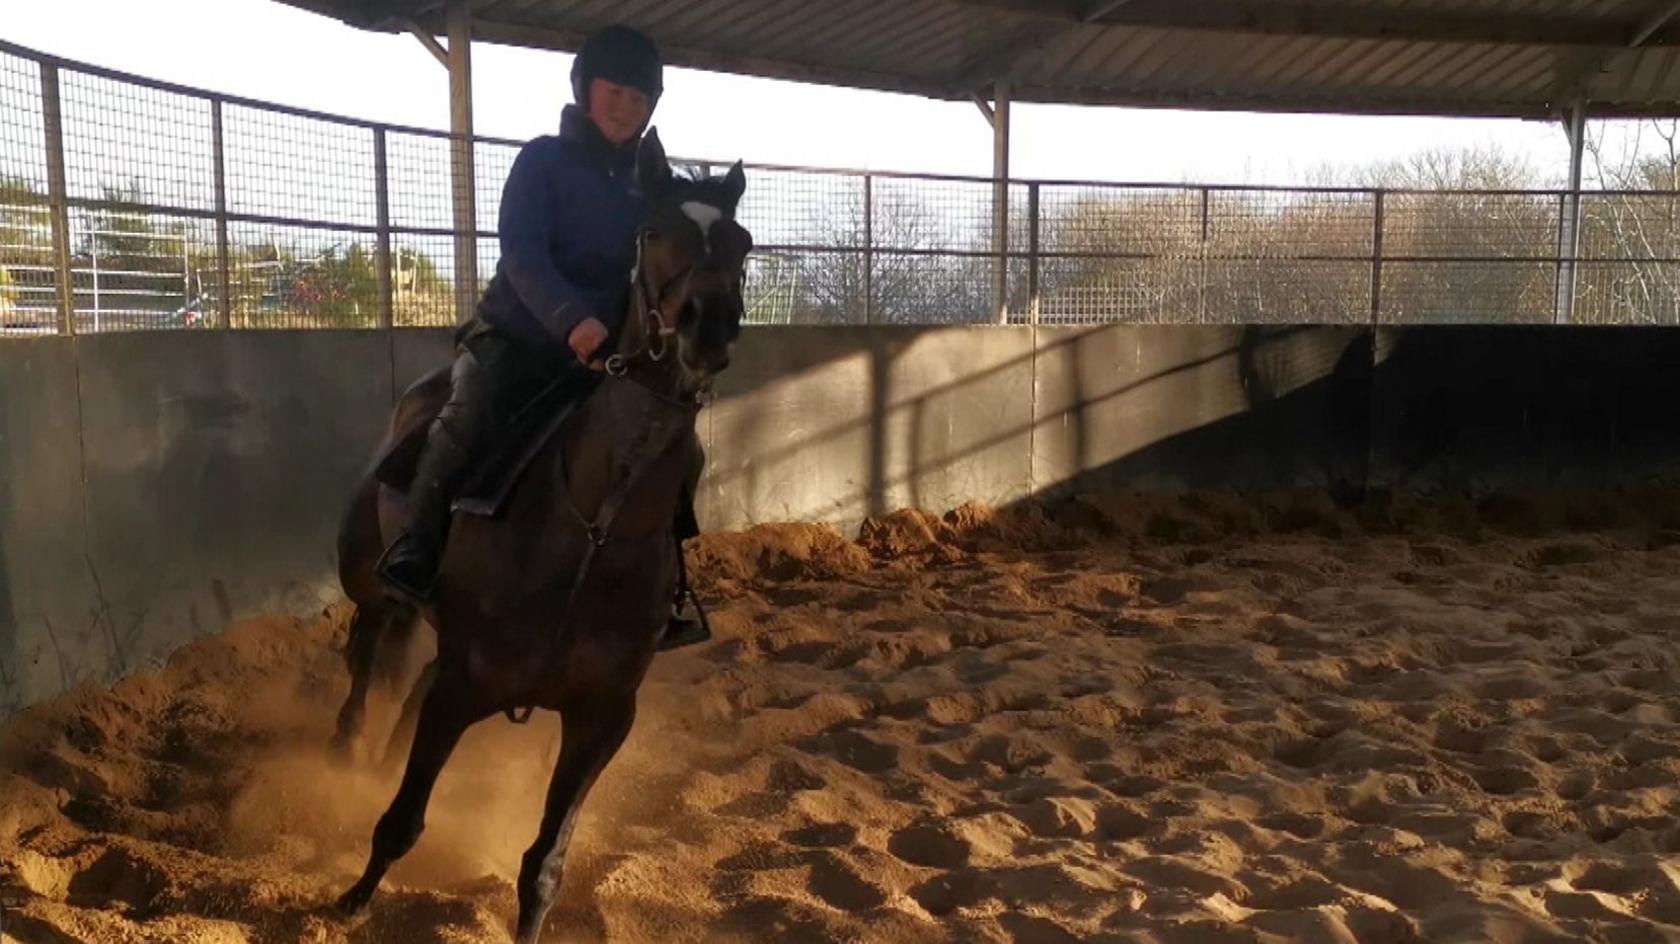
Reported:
(591, 734)
(369, 625)
(403, 734)
(365, 629)
(443, 718)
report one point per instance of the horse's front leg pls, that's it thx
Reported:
(444, 717)
(403, 734)
(591, 733)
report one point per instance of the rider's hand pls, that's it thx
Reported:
(587, 338)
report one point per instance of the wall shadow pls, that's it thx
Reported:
(153, 486)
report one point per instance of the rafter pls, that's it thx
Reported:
(1361, 22)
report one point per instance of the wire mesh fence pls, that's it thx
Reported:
(130, 205)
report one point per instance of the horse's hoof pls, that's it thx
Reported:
(354, 902)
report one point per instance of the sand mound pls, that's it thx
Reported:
(1202, 718)
(773, 553)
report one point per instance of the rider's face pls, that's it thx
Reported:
(618, 110)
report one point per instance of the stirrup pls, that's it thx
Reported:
(692, 632)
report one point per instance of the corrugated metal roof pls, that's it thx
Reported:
(1466, 57)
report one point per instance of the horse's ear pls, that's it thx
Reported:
(735, 184)
(653, 171)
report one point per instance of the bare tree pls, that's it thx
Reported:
(913, 277)
(1640, 229)
(1473, 168)
(1462, 242)
(1279, 255)
(1219, 254)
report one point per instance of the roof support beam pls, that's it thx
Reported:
(1655, 23)
(430, 42)
(462, 176)
(999, 115)
(1569, 227)
(1004, 59)
(1576, 74)
(394, 14)
(1285, 18)
(457, 58)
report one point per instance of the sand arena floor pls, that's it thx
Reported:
(1202, 719)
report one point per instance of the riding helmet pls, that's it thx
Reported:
(618, 54)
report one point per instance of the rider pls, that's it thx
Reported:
(570, 211)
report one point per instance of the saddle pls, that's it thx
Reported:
(490, 478)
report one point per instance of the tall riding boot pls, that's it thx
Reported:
(410, 564)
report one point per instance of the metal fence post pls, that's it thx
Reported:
(382, 240)
(57, 193)
(1557, 266)
(93, 259)
(1002, 94)
(1032, 253)
(868, 249)
(224, 287)
(1202, 262)
(1569, 220)
(1376, 257)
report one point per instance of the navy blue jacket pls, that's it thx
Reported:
(570, 211)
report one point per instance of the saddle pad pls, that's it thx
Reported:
(490, 478)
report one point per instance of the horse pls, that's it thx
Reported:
(559, 601)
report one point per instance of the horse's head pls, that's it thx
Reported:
(691, 258)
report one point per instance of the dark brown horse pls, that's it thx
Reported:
(560, 600)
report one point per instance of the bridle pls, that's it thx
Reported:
(670, 416)
(668, 419)
(656, 327)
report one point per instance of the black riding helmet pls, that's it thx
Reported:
(618, 54)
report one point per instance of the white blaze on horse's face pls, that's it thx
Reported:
(703, 215)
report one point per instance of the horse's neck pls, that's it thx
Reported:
(625, 433)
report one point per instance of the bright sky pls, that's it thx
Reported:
(260, 49)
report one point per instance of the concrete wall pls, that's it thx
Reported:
(46, 594)
(1175, 407)
(158, 485)
(834, 424)
(154, 486)
(1481, 408)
